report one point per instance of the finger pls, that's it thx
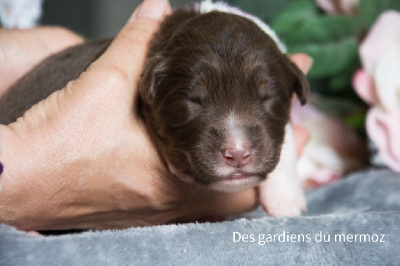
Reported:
(127, 52)
(56, 38)
(20, 50)
(301, 137)
(303, 62)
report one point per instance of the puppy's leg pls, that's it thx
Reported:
(281, 194)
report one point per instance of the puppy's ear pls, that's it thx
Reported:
(301, 86)
(151, 78)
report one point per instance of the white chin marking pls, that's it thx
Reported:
(235, 185)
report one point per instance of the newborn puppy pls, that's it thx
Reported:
(215, 95)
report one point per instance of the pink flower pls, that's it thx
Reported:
(342, 7)
(332, 151)
(379, 85)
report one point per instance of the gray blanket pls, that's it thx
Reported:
(352, 222)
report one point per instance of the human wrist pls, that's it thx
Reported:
(50, 185)
(25, 179)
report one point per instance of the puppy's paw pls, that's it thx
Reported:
(281, 194)
(282, 200)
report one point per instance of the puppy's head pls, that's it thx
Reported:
(216, 97)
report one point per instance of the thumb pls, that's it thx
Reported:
(108, 77)
(127, 53)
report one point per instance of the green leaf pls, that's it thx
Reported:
(356, 120)
(393, 4)
(294, 13)
(322, 29)
(330, 40)
(330, 58)
(342, 82)
(265, 9)
(369, 10)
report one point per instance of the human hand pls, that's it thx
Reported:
(81, 159)
(20, 50)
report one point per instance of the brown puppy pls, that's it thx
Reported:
(215, 95)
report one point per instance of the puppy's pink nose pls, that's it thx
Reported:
(237, 157)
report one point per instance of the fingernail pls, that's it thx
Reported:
(154, 9)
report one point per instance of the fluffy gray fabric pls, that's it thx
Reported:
(360, 215)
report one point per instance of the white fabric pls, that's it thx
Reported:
(207, 6)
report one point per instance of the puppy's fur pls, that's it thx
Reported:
(212, 82)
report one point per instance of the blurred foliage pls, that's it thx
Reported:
(264, 9)
(332, 41)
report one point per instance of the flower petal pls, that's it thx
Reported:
(384, 33)
(383, 129)
(344, 7)
(387, 78)
(364, 86)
